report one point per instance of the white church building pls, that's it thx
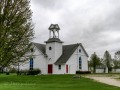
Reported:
(55, 58)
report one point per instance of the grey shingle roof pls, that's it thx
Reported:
(53, 40)
(68, 50)
(41, 47)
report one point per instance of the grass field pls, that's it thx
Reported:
(50, 82)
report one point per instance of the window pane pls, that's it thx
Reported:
(79, 58)
(79, 50)
(80, 63)
(59, 67)
(50, 48)
(31, 63)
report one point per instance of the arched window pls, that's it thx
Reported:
(31, 63)
(80, 63)
(79, 50)
(31, 49)
(50, 48)
(59, 67)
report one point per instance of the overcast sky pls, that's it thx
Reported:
(94, 23)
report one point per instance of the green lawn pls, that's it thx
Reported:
(50, 82)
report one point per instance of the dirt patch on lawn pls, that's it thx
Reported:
(110, 80)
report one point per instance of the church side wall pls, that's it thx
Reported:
(73, 62)
(39, 61)
(59, 71)
(24, 66)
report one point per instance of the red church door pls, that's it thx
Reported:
(66, 68)
(50, 68)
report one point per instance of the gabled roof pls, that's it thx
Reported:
(41, 47)
(68, 50)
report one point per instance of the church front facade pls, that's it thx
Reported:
(56, 58)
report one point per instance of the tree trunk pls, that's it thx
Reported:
(94, 69)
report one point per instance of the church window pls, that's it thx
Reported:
(80, 63)
(79, 50)
(31, 63)
(31, 49)
(59, 67)
(50, 48)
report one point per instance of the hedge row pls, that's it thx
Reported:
(33, 72)
(83, 72)
(30, 72)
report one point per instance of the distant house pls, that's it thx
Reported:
(56, 58)
(101, 69)
(104, 69)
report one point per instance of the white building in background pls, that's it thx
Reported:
(56, 58)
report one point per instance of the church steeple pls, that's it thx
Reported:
(54, 31)
(54, 46)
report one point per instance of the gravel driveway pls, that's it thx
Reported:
(107, 80)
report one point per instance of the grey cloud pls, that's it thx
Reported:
(48, 4)
(89, 23)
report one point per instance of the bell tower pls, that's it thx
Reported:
(54, 31)
(53, 44)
